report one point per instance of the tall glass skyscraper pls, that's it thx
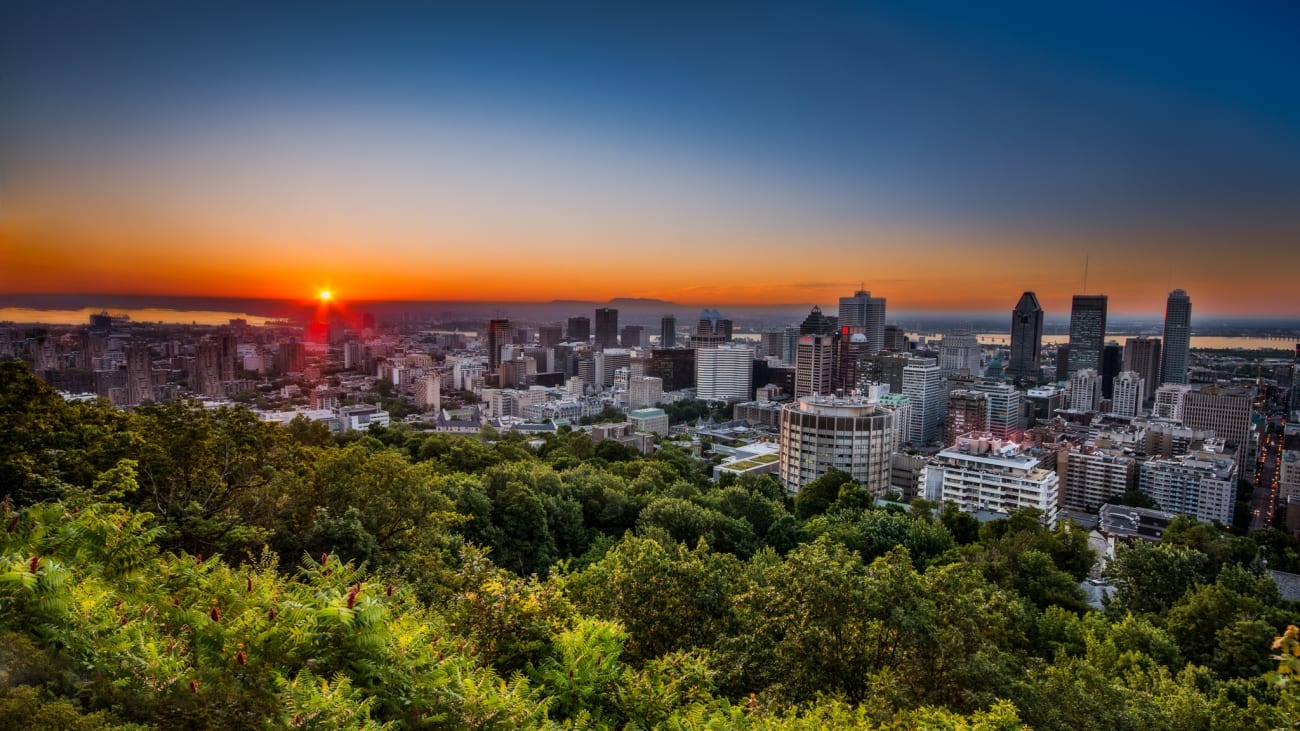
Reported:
(1026, 338)
(1087, 332)
(865, 314)
(1178, 338)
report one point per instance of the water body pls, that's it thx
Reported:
(146, 315)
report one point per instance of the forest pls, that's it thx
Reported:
(180, 568)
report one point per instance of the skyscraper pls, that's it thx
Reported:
(1143, 356)
(1026, 338)
(632, 336)
(1129, 393)
(711, 330)
(139, 373)
(816, 323)
(579, 329)
(668, 332)
(606, 327)
(498, 334)
(865, 314)
(549, 336)
(814, 365)
(724, 373)
(1178, 337)
(1087, 332)
(923, 383)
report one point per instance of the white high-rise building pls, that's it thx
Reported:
(923, 385)
(983, 474)
(644, 391)
(814, 365)
(1169, 401)
(822, 432)
(1224, 410)
(1129, 391)
(1085, 390)
(959, 352)
(724, 373)
(1202, 484)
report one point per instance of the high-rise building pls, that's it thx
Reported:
(817, 324)
(1004, 419)
(1111, 357)
(895, 339)
(549, 336)
(959, 353)
(790, 345)
(1091, 475)
(644, 391)
(772, 344)
(579, 330)
(498, 334)
(967, 412)
(1202, 484)
(139, 373)
(632, 336)
(668, 332)
(1026, 339)
(819, 433)
(854, 351)
(291, 357)
(606, 327)
(814, 366)
(1128, 394)
(724, 373)
(711, 330)
(428, 392)
(1226, 410)
(205, 378)
(982, 474)
(676, 366)
(1143, 356)
(1178, 338)
(1085, 390)
(1087, 332)
(1169, 401)
(923, 384)
(865, 314)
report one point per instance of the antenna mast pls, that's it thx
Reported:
(1085, 273)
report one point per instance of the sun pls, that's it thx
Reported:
(324, 295)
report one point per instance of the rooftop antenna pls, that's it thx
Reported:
(1085, 273)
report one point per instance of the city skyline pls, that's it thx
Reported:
(437, 153)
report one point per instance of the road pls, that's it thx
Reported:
(1263, 501)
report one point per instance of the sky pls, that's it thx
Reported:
(946, 156)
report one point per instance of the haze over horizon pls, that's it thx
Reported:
(947, 157)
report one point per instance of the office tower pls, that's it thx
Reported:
(821, 433)
(205, 378)
(980, 474)
(1143, 356)
(771, 344)
(354, 355)
(1111, 356)
(1169, 401)
(632, 336)
(816, 323)
(865, 314)
(291, 357)
(1128, 394)
(668, 332)
(1062, 363)
(814, 365)
(1026, 339)
(676, 366)
(498, 334)
(1178, 338)
(724, 373)
(790, 345)
(711, 330)
(610, 360)
(644, 391)
(579, 329)
(606, 327)
(1225, 410)
(549, 336)
(895, 339)
(139, 373)
(958, 353)
(1087, 332)
(1202, 484)
(1085, 390)
(1004, 420)
(850, 371)
(923, 384)
(967, 411)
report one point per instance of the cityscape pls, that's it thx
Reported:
(882, 366)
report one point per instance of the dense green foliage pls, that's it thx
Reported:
(180, 568)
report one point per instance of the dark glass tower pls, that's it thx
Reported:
(668, 332)
(606, 328)
(1087, 332)
(1026, 338)
(498, 334)
(1178, 338)
(579, 329)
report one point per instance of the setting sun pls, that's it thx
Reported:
(325, 295)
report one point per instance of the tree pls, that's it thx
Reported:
(817, 496)
(1151, 577)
